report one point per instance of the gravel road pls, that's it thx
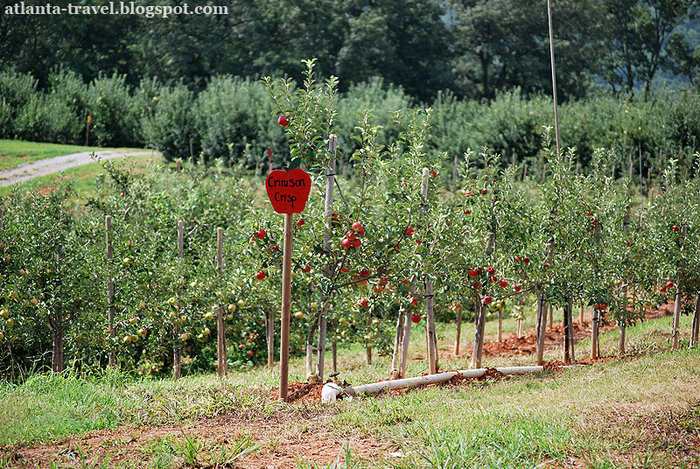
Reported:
(56, 164)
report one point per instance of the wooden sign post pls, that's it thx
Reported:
(288, 191)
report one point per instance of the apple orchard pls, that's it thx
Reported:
(144, 273)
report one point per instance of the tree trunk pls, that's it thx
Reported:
(595, 325)
(321, 357)
(459, 331)
(695, 331)
(270, 338)
(57, 348)
(520, 325)
(499, 334)
(396, 355)
(480, 317)
(541, 327)
(569, 355)
(621, 345)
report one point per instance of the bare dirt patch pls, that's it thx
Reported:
(277, 442)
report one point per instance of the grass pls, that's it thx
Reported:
(15, 152)
(637, 411)
(84, 177)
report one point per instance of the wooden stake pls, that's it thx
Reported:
(57, 323)
(499, 334)
(404, 345)
(695, 330)
(459, 331)
(270, 338)
(110, 291)
(677, 303)
(541, 327)
(220, 325)
(177, 344)
(480, 318)
(431, 337)
(551, 317)
(396, 356)
(327, 213)
(286, 304)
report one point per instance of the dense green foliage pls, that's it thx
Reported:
(474, 48)
(233, 119)
(481, 237)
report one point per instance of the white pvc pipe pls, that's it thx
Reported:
(436, 378)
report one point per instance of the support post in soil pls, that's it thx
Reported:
(327, 213)
(177, 344)
(404, 345)
(431, 337)
(458, 338)
(677, 303)
(110, 291)
(286, 305)
(554, 75)
(270, 338)
(396, 356)
(57, 324)
(695, 329)
(541, 327)
(480, 313)
(222, 368)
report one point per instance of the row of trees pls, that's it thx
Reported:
(229, 119)
(474, 48)
(392, 244)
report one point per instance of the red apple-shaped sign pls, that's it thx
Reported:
(288, 190)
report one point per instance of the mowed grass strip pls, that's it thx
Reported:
(16, 152)
(84, 178)
(612, 414)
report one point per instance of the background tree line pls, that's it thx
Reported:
(473, 48)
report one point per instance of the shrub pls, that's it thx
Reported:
(115, 117)
(16, 90)
(171, 128)
(235, 122)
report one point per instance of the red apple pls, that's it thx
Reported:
(468, 193)
(526, 260)
(345, 269)
(517, 288)
(484, 192)
(477, 285)
(662, 289)
(261, 233)
(669, 284)
(269, 153)
(487, 300)
(282, 120)
(503, 283)
(307, 269)
(432, 173)
(250, 353)
(490, 270)
(357, 227)
(410, 231)
(675, 228)
(364, 273)
(300, 222)
(356, 243)
(363, 302)
(467, 212)
(260, 275)
(415, 318)
(473, 273)
(347, 243)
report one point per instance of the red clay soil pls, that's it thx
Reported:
(512, 346)
(280, 443)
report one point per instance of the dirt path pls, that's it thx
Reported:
(28, 171)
